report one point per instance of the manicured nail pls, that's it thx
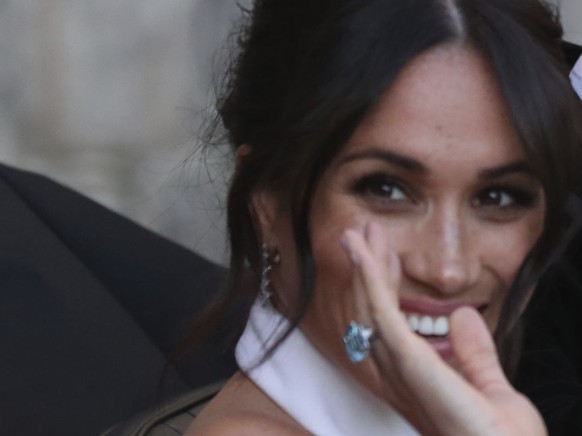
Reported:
(345, 243)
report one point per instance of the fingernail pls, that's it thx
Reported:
(345, 243)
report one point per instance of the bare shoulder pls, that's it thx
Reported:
(241, 408)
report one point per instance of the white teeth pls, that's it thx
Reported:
(414, 322)
(441, 326)
(427, 325)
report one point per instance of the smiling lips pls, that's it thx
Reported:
(431, 319)
(426, 325)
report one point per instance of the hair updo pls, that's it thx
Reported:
(309, 71)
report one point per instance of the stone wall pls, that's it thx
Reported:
(571, 15)
(107, 96)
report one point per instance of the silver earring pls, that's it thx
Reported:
(265, 291)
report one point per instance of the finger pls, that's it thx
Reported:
(361, 313)
(360, 298)
(380, 278)
(415, 369)
(475, 351)
(379, 281)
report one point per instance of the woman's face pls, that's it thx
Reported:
(440, 168)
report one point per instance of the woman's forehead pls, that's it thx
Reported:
(445, 103)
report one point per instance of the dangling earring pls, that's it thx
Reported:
(265, 291)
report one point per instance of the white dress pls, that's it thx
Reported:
(576, 77)
(307, 386)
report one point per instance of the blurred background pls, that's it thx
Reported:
(108, 97)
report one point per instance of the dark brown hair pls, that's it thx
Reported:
(308, 72)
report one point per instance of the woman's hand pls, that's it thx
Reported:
(476, 399)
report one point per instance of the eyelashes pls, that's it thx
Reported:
(382, 188)
(388, 191)
(506, 197)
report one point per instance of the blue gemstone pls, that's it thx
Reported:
(357, 345)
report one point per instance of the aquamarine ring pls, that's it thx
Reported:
(358, 341)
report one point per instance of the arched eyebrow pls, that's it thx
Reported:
(412, 165)
(390, 157)
(510, 168)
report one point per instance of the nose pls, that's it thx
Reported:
(443, 255)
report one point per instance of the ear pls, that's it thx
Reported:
(265, 210)
(241, 154)
(263, 205)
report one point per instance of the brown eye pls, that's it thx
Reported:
(388, 190)
(495, 197)
(506, 198)
(381, 187)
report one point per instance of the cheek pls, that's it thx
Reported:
(331, 308)
(503, 255)
(333, 268)
(504, 249)
(329, 220)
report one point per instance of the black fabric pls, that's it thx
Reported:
(169, 419)
(572, 52)
(91, 304)
(550, 372)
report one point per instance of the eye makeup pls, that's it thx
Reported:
(504, 196)
(382, 190)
